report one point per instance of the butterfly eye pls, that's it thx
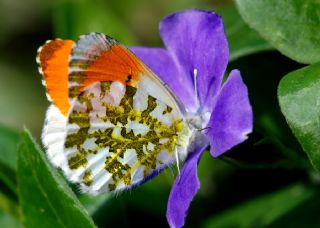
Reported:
(129, 78)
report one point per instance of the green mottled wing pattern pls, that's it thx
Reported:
(118, 135)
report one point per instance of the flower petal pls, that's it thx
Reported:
(232, 118)
(184, 189)
(197, 41)
(161, 63)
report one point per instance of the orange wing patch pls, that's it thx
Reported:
(96, 58)
(116, 64)
(53, 59)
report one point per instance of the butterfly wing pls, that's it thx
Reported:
(53, 61)
(124, 124)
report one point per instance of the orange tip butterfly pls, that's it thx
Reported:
(112, 123)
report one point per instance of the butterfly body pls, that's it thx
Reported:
(117, 123)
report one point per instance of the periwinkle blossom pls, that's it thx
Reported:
(193, 65)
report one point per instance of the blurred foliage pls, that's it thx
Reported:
(264, 210)
(235, 27)
(266, 181)
(6, 220)
(8, 159)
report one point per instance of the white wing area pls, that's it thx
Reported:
(53, 136)
(152, 85)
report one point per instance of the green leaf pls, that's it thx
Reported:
(290, 26)
(46, 199)
(235, 27)
(265, 210)
(8, 156)
(299, 94)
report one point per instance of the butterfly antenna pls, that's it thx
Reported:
(195, 75)
(177, 160)
(205, 128)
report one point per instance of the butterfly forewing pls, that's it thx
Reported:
(96, 57)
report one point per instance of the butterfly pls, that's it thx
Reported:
(112, 123)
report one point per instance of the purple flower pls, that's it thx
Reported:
(193, 65)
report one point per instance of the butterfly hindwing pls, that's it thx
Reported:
(117, 136)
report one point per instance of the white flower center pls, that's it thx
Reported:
(197, 120)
